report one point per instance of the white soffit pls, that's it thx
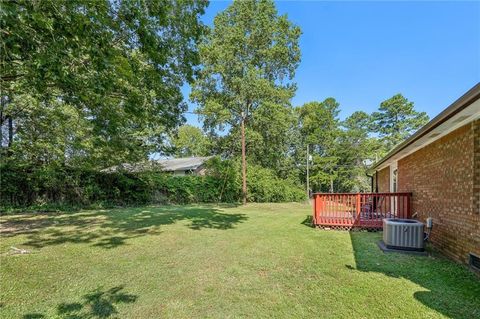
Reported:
(467, 115)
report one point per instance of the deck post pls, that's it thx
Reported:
(357, 219)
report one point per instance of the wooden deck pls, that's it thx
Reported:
(359, 210)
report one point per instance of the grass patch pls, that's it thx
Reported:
(204, 261)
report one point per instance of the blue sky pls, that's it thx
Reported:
(362, 53)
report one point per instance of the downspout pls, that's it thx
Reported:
(371, 187)
(371, 181)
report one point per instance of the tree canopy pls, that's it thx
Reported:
(319, 127)
(397, 119)
(116, 65)
(190, 141)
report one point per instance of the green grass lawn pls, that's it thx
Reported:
(258, 261)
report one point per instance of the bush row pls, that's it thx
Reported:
(23, 186)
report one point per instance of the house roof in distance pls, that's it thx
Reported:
(464, 110)
(168, 165)
(182, 164)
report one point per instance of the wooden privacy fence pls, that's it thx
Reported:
(360, 210)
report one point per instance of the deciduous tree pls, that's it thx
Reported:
(119, 64)
(190, 141)
(319, 127)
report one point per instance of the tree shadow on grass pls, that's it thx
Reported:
(96, 304)
(453, 290)
(113, 228)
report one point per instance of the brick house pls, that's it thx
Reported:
(440, 166)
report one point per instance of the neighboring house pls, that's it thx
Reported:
(184, 166)
(440, 166)
(176, 166)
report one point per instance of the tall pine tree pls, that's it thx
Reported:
(397, 119)
(249, 60)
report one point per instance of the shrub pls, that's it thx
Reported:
(23, 186)
(264, 186)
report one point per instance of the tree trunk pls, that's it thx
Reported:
(308, 174)
(1, 127)
(244, 163)
(10, 131)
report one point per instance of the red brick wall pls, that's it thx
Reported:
(383, 178)
(441, 178)
(476, 185)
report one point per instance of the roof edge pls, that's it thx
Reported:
(461, 103)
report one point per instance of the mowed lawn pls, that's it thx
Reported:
(258, 261)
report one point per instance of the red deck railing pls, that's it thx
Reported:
(364, 210)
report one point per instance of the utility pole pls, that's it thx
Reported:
(308, 173)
